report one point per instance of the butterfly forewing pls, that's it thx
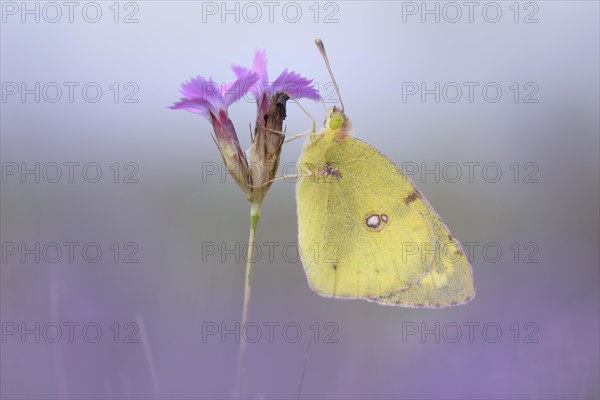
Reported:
(361, 218)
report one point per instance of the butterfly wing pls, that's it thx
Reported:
(448, 283)
(366, 232)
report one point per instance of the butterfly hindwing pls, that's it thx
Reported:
(450, 281)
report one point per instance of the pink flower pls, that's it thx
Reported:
(205, 97)
(295, 85)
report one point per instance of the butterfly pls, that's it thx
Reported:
(367, 232)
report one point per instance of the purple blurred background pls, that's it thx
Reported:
(162, 207)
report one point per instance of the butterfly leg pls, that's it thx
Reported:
(296, 136)
(314, 123)
(311, 133)
(278, 178)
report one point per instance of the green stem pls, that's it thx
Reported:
(254, 217)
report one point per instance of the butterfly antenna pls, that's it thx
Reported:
(321, 47)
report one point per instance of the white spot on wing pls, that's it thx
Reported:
(373, 221)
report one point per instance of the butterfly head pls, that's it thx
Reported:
(337, 122)
(335, 119)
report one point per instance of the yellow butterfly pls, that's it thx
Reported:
(366, 232)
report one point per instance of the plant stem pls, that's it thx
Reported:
(254, 217)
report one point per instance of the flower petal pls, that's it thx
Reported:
(235, 90)
(295, 85)
(259, 64)
(239, 71)
(201, 88)
(259, 67)
(197, 106)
